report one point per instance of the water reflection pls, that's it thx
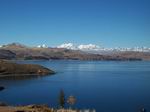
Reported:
(17, 77)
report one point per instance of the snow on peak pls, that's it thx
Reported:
(88, 47)
(79, 47)
(96, 48)
(67, 46)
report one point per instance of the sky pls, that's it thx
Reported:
(108, 23)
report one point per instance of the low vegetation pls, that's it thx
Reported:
(71, 100)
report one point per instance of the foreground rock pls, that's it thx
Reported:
(8, 68)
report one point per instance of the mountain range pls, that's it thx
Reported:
(98, 49)
(20, 51)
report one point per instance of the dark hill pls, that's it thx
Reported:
(7, 54)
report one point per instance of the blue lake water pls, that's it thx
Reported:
(107, 86)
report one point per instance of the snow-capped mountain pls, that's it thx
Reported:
(97, 49)
(92, 48)
(91, 52)
(83, 47)
(68, 46)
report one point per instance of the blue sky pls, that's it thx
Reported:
(110, 23)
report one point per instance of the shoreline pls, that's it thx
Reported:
(77, 59)
(40, 108)
(22, 75)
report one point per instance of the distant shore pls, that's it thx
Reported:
(19, 51)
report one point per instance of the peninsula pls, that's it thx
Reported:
(8, 68)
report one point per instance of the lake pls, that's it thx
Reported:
(107, 86)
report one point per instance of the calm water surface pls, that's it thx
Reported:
(107, 86)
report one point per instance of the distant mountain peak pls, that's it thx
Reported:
(99, 49)
(15, 44)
